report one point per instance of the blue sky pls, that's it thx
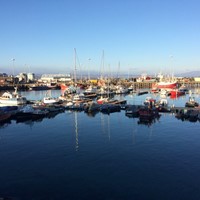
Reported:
(143, 35)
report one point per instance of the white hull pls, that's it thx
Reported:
(13, 102)
(49, 100)
(12, 99)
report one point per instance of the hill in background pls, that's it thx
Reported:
(189, 74)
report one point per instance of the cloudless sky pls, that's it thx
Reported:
(143, 35)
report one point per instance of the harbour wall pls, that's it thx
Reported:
(135, 85)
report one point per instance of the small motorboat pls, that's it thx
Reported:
(191, 103)
(149, 101)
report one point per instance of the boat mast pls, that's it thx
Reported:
(102, 66)
(75, 66)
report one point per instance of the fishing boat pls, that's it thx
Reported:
(146, 113)
(28, 112)
(162, 105)
(149, 101)
(191, 103)
(166, 84)
(40, 87)
(14, 98)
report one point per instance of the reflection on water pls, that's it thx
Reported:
(118, 158)
(105, 125)
(76, 130)
(101, 157)
(149, 121)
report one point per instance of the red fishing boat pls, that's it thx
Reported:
(166, 84)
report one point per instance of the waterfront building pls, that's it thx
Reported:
(22, 77)
(30, 77)
(3, 78)
(197, 79)
(55, 78)
(3, 75)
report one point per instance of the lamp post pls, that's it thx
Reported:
(89, 59)
(171, 67)
(13, 63)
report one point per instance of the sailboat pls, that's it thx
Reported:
(71, 90)
(102, 99)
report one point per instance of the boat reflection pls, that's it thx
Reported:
(148, 121)
(5, 124)
(105, 125)
(92, 114)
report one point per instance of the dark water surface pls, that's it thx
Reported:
(76, 156)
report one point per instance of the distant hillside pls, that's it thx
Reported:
(189, 74)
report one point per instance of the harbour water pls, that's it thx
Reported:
(76, 156)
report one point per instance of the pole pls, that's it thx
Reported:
(89, 68)
(13, 61)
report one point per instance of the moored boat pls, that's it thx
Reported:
(50, 100)
(191, 103)
(132, 111)
(14, 98)
(28, 112)
(102, 100)
(39, 87)
(149, 101)
(63, 86)
(90, 91)
(148, 113)
(166, 84)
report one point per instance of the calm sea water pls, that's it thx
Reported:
(111, 157)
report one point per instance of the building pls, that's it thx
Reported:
(22, 77)
(197, 79)
(55, 78)
(3, 78)
(3, 75)
(30, 77)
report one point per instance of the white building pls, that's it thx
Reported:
(22, 77)
(197, 79)
(55, 77)
(30, 76)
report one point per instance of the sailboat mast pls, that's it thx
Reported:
(75, 65)
(102, 66)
